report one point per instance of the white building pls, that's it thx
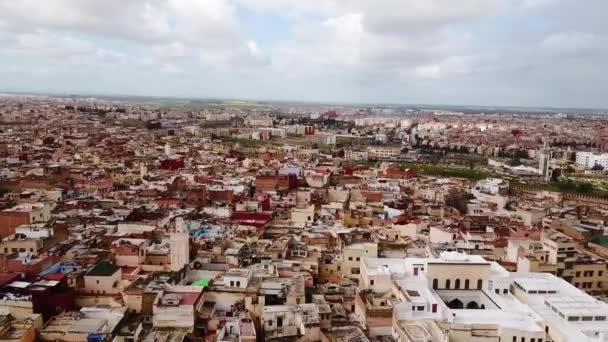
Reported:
(460, 297)
(383, 152)
(589, 159)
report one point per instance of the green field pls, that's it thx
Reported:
(446, 171)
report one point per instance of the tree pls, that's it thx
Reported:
(569, 169)
(597, 167)
(514, 162)
(556, 174)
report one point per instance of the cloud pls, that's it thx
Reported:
(169, 51)
(386, 50)
(536, 4)
(569, 41)
(449, 67)
(147, 22)
(131, 20)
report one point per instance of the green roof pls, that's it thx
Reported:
(601, 240)
(202, 282)
(103, 269)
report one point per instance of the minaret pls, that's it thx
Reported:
(143, 170)
(180, 246)
(545, 158)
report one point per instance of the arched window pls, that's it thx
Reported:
(479, 284)
(457, 285)
(447, 284)
(466, 284)
(435, 283)
(473, 305)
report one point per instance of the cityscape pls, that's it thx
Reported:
(303, 171)
(242, 221)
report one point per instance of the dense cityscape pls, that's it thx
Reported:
(126, 220)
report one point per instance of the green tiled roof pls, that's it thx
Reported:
(601, 240)
(103, 269)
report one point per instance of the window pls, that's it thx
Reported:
(232, 283)
(350, 258)
(421, 308)
(98, 282)
(587, 318)
(466, 284)
(497, 291)
(358, 258)
(479, 284)
(578, 274)
(447, 284)
(574, 318)
(238, 284)
(523, 339)
(600, 318)
(435, 283)
(457, 285)
(514, 338)
(269, 323)
(371, 282)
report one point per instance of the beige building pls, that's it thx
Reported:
(103, 278)
(352, 255)
(303, 214)
(383, 152)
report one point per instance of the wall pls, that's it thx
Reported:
(453, 271)
(10, 220)
(102, 285)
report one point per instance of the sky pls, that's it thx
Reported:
(460, 52)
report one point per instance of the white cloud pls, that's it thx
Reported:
(569, 41)
(536, 4)
(170, 69)
(381, 48)
(450, 67)
(169, 51)
(132, 20)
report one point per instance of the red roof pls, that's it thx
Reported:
(7, 278)
(54, 276)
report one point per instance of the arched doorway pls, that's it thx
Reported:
(473, 305)
(455, 304)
